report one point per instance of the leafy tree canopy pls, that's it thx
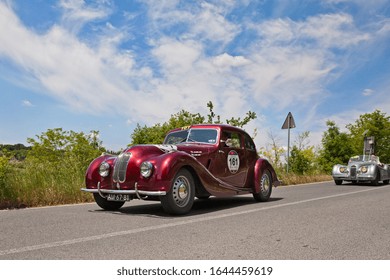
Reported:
(56, 145)
(157, 132)
(336, 147)
(302, 156)
(375, 124)
(232, 121)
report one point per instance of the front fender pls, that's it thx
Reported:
(167, 165)
(336, 169)
(92, 174)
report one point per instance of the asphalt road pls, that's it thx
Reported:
(315, 221)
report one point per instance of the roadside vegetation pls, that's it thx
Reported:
(51, 169)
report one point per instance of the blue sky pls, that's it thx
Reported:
(107, 65)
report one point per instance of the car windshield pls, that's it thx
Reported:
(370, 158)
(208, 136)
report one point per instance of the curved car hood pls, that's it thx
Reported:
(190, 148)
(167, 148)
(359, 163)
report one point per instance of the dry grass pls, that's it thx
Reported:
(294, 179)
(31, 185)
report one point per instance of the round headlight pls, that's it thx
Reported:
(364, 169)
(146, 169)
(342, 169)
(104, 169)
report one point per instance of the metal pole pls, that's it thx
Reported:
(288, 144)
(364, 148)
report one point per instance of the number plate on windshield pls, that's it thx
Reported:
(118, 197)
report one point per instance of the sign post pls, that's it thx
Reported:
(288, 124)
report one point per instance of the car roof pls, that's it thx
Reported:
(211, 126)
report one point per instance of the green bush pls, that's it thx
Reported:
(8, 195)
(47, 183)
(53, 171)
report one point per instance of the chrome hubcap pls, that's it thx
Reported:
(181, 191)
(265, 184)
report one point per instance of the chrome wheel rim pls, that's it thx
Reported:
(265, 184)
(180, 191)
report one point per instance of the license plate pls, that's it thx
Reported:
(118, 197)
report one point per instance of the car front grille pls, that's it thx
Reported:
(120, 167)
(353, 172)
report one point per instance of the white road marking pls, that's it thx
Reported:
(169, 225)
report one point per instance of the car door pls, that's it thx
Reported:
(231, 159)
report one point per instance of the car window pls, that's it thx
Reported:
(232, 139)
(203, 135)
(249, 143)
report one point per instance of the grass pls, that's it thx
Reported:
(32, 185)
(295, 179)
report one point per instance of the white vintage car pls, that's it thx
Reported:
(364, 168)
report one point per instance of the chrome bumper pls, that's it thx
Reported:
(356, 178)
(137, 192)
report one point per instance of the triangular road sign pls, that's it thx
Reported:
(289, 122)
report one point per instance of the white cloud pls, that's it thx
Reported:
(27, 103)
(211, 24)
(227, 61)
(177, 57)
(203, 21)
(333, 30)
(368, 92)
(287, 76)
(293, 60)
(76, 13)
(67, 69)
(324, 30)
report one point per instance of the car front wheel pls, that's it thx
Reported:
(265, 187)
(180, 198)
(375, 182)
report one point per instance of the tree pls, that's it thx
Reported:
(232, 121)
(156, 133)
(56, 145)
(212, 115)
(302, 156)
(273, 151)
(17, 151)
(336, 147)
(375, 124)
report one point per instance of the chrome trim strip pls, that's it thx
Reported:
(136, 192)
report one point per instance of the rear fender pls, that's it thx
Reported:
(260, 167)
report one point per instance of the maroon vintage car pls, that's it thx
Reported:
(197, 161)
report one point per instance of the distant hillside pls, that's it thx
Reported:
(17, 151)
